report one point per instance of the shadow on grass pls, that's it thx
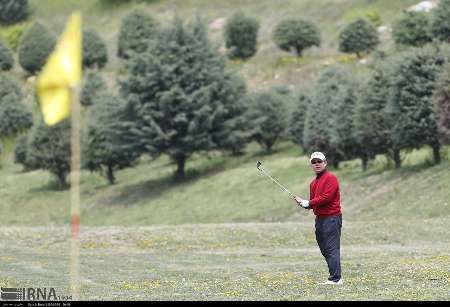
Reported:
(279, 148)
(50, 186)
(403, 171)
(132, 194)
(197, 167)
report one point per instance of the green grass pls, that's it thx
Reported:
(222, 189)
(383, 260)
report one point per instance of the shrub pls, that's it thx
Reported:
(440, 26)
(412, 29)
(14, 116)
(9, 86)
(95, 54)
(441, 103)
(20, 153)
(359, 36)
(13, 11)
(374, 17)
(298, 117)
(104, 149)
(111, 3)
(49, 149)
(12, 34)
(296, 34)
(6, 57)
(268, 116)
(241, 33)
(92, 87)
(135, 31)
(35, 46)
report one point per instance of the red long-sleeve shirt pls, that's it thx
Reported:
(324, 196)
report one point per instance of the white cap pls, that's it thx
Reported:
(317, 155)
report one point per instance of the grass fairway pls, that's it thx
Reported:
(384, 260)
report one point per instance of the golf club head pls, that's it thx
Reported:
(258, 164)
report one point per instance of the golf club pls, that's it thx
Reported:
(259, 167)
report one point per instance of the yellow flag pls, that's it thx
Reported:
(61, 73)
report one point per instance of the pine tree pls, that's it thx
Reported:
(298, 117)
(268, 117)
(441, 104)
(184, 100)
(93, 86)
(232, 133)
(412, 29)
(440, 26)
(372, 126)
(318, 123)
(95, 54)
(342, 139)
(20, 153)
(136, 29)
(6, 57)
(410, 101)
(103, 145)
(49, 149)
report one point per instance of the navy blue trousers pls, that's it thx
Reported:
(328, 237)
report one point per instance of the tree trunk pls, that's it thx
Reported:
(364, 162)
(396, 157)
(269, 145)
(110, 175)
(61, 180)
(335, 164)
(436, 153)
(181, 160)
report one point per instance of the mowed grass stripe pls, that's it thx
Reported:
(254, 261)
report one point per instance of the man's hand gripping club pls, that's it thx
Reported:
(304, 203)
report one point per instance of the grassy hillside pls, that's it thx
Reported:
(224, 189)
(270, 66)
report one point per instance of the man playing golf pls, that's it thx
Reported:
(324, 200)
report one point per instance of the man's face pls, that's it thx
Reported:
(318, 165)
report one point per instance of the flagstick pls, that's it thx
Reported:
(75, 194)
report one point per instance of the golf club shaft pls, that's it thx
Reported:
(274, 180)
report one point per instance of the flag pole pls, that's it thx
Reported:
(75, 193)
(58, 90)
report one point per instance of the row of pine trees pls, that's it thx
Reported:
(402, 103)
(177, 97)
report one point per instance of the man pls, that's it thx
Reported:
(324, 200)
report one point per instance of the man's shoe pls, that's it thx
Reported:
(330, 282)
